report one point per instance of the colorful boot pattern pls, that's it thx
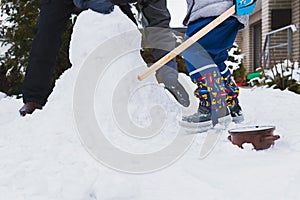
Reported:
(232, 91)
(211, 90)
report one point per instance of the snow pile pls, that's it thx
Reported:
(42, 157)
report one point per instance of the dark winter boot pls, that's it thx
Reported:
(169, 77)
(236, 113)
(203, 114)
(179, 94)
(29, 108)
(202, 120)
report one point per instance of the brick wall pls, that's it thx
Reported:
(278, 54)
(245, 37)
(243, 42)
(296, 36)
(263, 13)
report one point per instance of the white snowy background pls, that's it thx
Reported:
(177, 10)
(42, 158)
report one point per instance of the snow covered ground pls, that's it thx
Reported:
(43, 156)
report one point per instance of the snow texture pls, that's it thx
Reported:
(2, 95)
(42, 157)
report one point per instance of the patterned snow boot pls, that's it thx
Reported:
(211, 93)
(232, 101)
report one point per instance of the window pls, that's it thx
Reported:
(281, 18)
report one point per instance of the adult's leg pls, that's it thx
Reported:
(160, 39)
(52, 22)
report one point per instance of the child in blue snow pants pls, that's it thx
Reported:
(205, 61)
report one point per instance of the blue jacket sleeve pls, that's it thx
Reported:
(101, 6)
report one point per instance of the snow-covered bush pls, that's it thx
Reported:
(235, 63)
(235, 58)
(283, 75)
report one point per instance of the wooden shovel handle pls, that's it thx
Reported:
(161, 62)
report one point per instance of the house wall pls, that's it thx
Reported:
(262, 15)
(245, 37)
(296, 36)
(278, 54)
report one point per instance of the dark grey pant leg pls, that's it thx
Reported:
(160, 38)
(52, 22)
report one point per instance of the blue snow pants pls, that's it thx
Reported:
(205, 63)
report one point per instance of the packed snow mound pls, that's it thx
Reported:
(92, 29)
(42, 156)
